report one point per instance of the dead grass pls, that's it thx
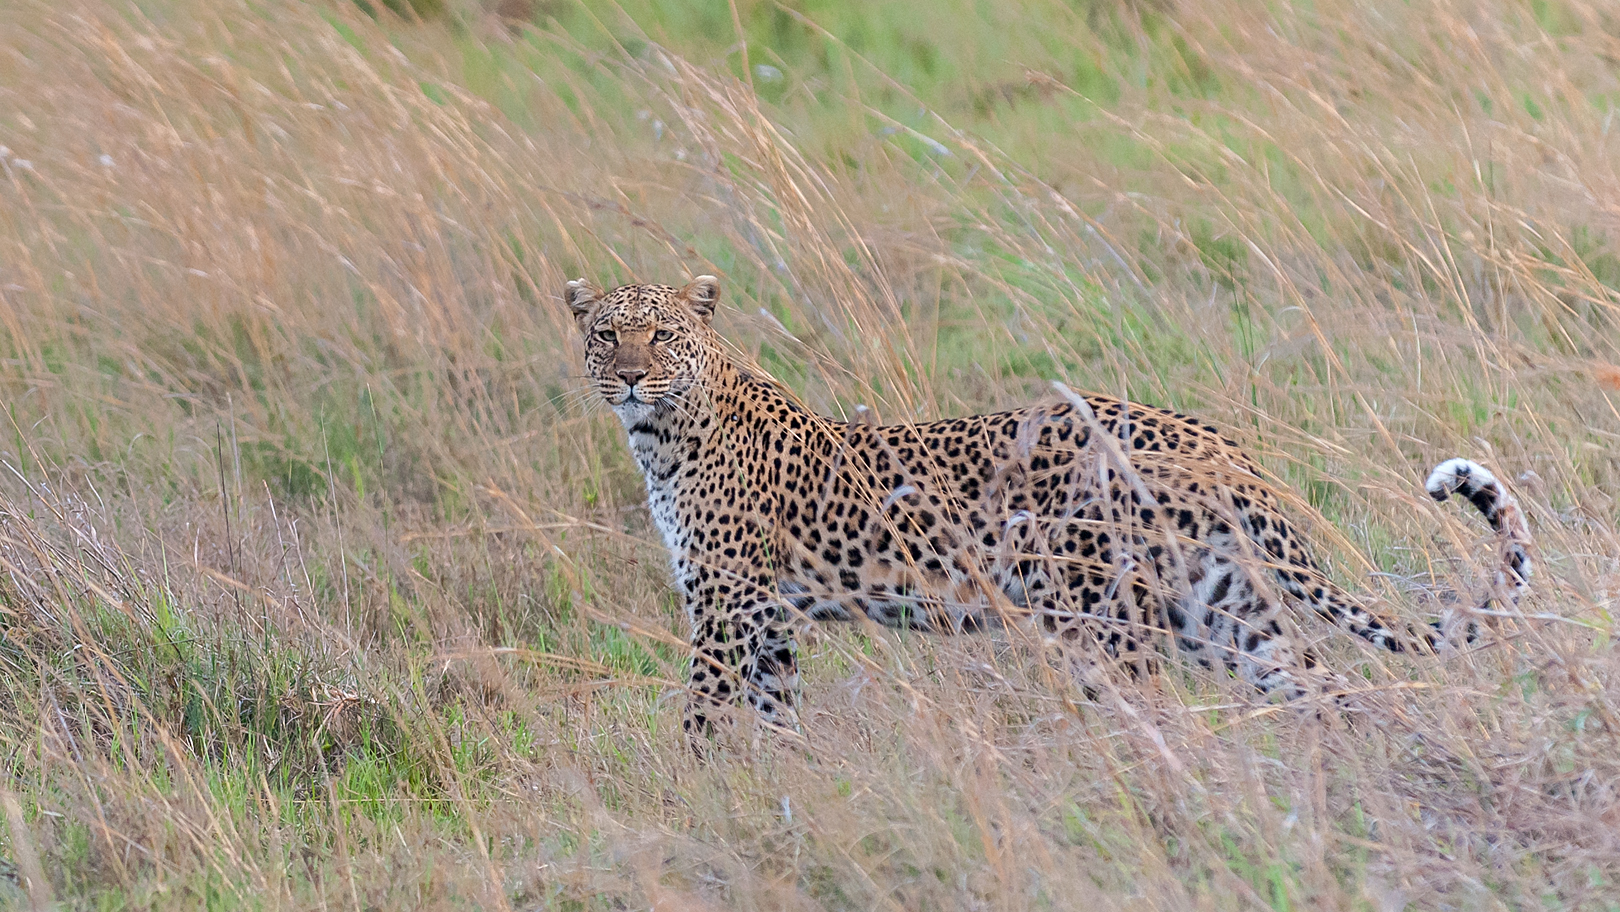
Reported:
(324, 586)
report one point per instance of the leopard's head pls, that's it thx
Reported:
(645, 345)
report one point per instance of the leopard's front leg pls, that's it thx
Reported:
(742, 653)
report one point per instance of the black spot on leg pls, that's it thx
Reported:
(1175, 616)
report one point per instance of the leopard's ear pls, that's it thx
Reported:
(583, 299)
(702, 294)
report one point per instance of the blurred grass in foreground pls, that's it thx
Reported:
(325, 584)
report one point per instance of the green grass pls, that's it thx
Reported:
(325, 583)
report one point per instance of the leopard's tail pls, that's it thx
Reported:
(1512, 579)
(1476, 483)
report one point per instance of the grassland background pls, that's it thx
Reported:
(324, 586)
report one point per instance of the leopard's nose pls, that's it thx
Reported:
(630, 375)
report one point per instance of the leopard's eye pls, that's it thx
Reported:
(608, 335)
(663, 335)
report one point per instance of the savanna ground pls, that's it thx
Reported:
(324, 585)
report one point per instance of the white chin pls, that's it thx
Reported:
(633, 410)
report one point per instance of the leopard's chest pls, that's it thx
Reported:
(661, 467)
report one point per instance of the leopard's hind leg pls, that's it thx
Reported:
(1230, 619)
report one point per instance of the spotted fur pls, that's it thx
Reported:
(1105, 523)
(1475, 484)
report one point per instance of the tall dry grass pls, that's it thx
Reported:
(325, 586)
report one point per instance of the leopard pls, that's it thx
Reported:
(1118, 532)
